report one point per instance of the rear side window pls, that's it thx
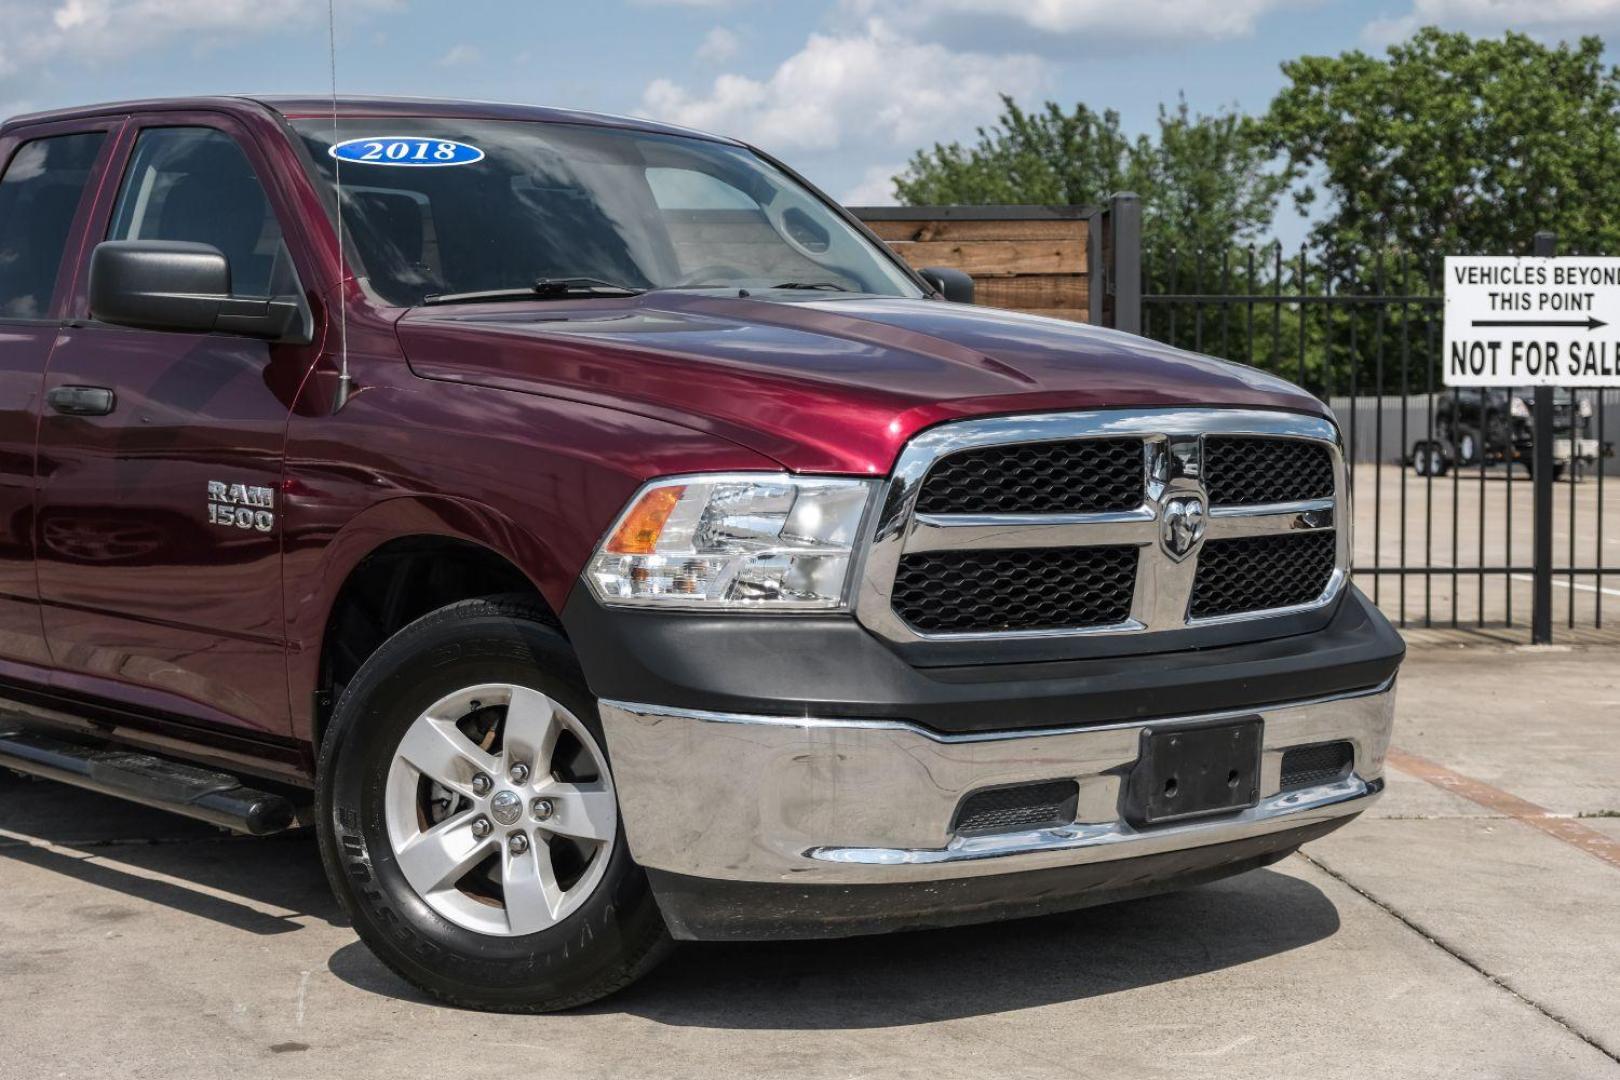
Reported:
(39, 195)
(196, 184)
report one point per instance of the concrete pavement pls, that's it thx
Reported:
(1434, 938)
(1476, 518)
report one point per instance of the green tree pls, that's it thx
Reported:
(1043, 158)
(1203, 180)
(1455, 144)
(1206, 182)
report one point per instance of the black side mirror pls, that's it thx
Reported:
(955, 285)
(174, 285)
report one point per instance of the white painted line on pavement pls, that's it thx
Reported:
(1563, 583)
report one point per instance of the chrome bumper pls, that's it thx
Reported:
(844, 802)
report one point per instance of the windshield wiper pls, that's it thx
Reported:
(824, 286)
(544, 289)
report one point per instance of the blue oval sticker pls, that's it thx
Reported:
(407, 150)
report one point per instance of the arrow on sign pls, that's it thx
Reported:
(1591, 322)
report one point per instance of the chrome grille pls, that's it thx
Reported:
(1254, 573)
(1244, 471)
(960, 592)
(1083, 476)
(1225, 514)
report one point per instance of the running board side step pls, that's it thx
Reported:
(214, 797)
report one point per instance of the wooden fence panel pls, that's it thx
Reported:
(1023, 258)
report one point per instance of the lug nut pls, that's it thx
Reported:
(481, 827)
(517, 843)
(520, 773)
(482, 785)
(542, 809)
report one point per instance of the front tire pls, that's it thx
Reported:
(467, 818)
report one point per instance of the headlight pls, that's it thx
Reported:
(1519, 406)
(741, 541)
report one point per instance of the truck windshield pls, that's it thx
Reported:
(437, 208)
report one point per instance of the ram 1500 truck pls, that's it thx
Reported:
(602, 540)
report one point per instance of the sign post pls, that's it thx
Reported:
(1542, 488)
(1543, 322)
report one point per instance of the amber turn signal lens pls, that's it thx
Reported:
(638, 533)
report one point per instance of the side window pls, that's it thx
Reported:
(39, 195)
(196, 184)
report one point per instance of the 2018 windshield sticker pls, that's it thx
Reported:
(407, 151)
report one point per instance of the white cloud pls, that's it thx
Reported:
(97, 28)
(459, 55)
(41, 33)
(876, 187)
(871, 88)
(1070, 25)
(1494, 16)
(718, 45)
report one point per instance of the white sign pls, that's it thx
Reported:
(1532, 321)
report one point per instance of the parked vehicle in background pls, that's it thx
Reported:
(602, 539)
(1494, 426)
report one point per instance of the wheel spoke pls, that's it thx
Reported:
(529, 888)
(435, 759)
(583, 811)
(441, 856)
(531, 731)
(438, 750)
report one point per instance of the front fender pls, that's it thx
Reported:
(535, 480)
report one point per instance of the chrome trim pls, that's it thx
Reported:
(1280, 811)
(933, 532)
(1233, 522)
(780, 798)
(1172, 467)
(654, 712)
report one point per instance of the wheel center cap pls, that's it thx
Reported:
(506, 807)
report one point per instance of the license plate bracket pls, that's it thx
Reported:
(1192, 772)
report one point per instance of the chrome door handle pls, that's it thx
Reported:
(82, 400)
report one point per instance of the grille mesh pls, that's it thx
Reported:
(1245, 471)
(1026, 806)
(1260, 572)
(988, 591)
(1307, 766)
(1082, 476)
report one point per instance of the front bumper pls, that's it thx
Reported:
(847, 822)
(1566, 449)
(832, 668)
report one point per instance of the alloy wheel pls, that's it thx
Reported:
(500, 809)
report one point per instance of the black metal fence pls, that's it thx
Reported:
(1449, 530)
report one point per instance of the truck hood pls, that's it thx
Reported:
(819, 384)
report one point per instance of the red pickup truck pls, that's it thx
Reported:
(601, 540)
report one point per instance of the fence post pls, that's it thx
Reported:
(1125, 276)
(1546, 245)
(1097, 270)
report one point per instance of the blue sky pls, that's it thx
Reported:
(845, 90)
